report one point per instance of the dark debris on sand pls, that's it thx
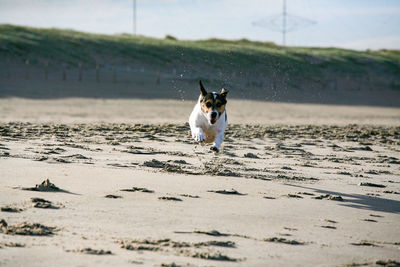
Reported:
(227, 192)
(148, 244)
(24, 228)
(373, 185)
(370, 220)
(226, 244)
(293, 196)
(212, 233)
(92, 251)
(189, 196)
(365, 244)
(112, 196)
(388, 263)
(165, 166)
(170, 265)
(170, 198)
(138, 189)
(43, 203)
(328, 226)
(251, 156)
(212, 256)
(10, 209)
(181, 248)
(13, 245)
(45, 186)
(283, 241)
(384, 263)
(329, 197)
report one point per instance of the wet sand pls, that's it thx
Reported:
(293, 185)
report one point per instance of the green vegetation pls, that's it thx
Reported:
(257, 64)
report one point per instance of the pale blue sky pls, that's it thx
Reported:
(355, 24)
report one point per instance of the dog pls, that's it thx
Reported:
(208, 119)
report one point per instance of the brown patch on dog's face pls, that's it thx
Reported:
(207, 104)
(220, 105)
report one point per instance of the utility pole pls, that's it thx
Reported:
(284, 23)
(134, 17)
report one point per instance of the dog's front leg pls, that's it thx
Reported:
(197, 134)
(218, 141)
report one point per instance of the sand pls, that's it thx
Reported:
(294, 185)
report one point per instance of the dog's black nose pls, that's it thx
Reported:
(213, 115)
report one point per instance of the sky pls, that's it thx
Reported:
(353, 24)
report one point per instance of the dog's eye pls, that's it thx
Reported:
(208, 104)
(219, 105)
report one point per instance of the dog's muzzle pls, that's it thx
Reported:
(213, 117)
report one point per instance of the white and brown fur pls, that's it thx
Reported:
(208, 119)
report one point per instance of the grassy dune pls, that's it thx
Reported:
(243, 65)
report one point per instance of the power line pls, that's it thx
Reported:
(284, 22)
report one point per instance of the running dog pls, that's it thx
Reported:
(208, 119)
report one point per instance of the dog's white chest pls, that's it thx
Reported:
(210, 134)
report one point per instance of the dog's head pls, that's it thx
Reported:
(212, 104)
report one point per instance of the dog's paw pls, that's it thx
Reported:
(198, 135)
(215, 149)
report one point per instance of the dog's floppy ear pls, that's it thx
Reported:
(224, 92)
(202, 90)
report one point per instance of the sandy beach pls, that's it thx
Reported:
(89, 182)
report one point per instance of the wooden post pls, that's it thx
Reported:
(8, 75)
(80, 72)
(64, 74)
(114, 77)
(158, 78)
(97, 73)
(27, 69)
(46, 70)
